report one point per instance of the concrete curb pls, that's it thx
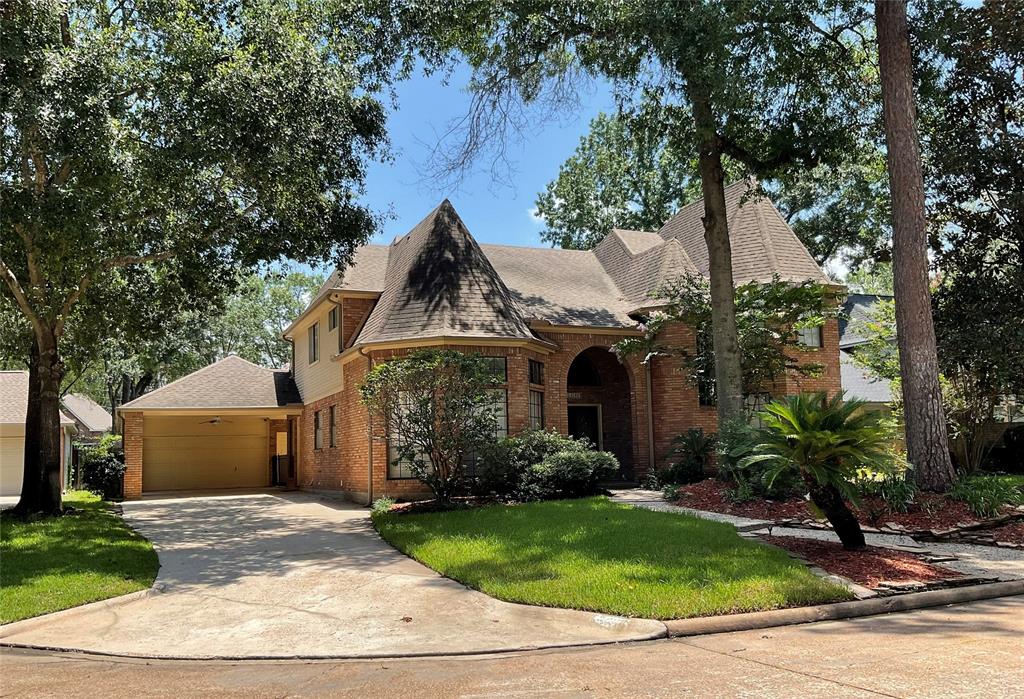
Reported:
(842, 610)
(678, 628)
(32, 622)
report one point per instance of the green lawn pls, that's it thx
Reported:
(62, 562)
(598, 555)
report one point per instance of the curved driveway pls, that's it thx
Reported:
(293, 575)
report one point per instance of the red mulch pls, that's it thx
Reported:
(1013, 532)
(867, 567)
(930, 511)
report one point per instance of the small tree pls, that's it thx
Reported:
(825, 440)
(435, 408)
(768, 318)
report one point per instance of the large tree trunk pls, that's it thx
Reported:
(829, 500)
(725, 343)
(927, 445)
(43, 442)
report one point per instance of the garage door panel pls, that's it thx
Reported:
(12, 464)
(186, 453)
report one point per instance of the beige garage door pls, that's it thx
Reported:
(187, 453)
(12, 455)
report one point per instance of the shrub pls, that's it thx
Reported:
(102, 465)
(382, 505)
(689, 455)
(539, 465)
(571, 473)
(986, 495)
(824, 441)
(670, 493)
(736, 442)
(896, 489)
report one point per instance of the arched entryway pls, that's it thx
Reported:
(598, 403)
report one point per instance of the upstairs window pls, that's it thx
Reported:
(314, 342)
(332, 319)
(536, 372)
(810, 337)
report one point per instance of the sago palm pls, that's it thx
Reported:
(826, 440)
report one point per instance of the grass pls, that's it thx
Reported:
(601, 556)
(60, 562)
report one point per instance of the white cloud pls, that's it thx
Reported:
(535, 216)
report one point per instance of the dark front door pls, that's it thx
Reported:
(585, 421)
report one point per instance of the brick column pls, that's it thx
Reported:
(132, 455)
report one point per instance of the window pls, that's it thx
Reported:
(314, 343)
(499, 408)
(332, 430)
(810, 337)
(496, 367)
(536, 372)
(318, 430)
(332, 319)
(536, 410)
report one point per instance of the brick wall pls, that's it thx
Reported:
(132, 455)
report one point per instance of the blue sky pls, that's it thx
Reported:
(494, 212)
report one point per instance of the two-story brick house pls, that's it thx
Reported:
(547, 317)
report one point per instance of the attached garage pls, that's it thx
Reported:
(228, 425)
(12, 455)
(202, 451)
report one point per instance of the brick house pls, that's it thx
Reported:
(547, 317)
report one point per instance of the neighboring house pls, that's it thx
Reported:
(546, 317)
(91, 419)
(857, 381)
(13, 405)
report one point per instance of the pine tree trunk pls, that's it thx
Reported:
(830, 501)
(41, 489)
(927, 444)
(725, 343)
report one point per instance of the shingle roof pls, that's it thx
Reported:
(857, 309)
(861, 383)
(763, 244)
(436, 280)
(439, 283)
(14, 398)
(232, 382)
(88, 412)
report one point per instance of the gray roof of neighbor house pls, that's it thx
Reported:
(14, 398)
(860, 383)
(437, 281)
(232, 382)
(88, 412)
(857, 309)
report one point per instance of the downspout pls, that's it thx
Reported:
(650, 418)
(369, 461)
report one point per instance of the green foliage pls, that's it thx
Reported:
(735, 442)
(896, 488)
(382, 506)
(435, 409)
(56, 563)
(768, 316)
(987, 495)
(103, 466)
(597, 555)
(689, 455)
(821, 438)
(670, 492)
(871, 279)
(540, 465)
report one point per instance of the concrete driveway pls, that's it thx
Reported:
(292, 575)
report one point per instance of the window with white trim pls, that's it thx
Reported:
(313, 336)
(810, 337)
(332, 319)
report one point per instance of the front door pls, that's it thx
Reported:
(585, 421)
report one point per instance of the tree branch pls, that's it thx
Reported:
(19, 296)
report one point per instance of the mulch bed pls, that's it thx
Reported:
(930, 511)
(1012, 533)
(868, 567)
